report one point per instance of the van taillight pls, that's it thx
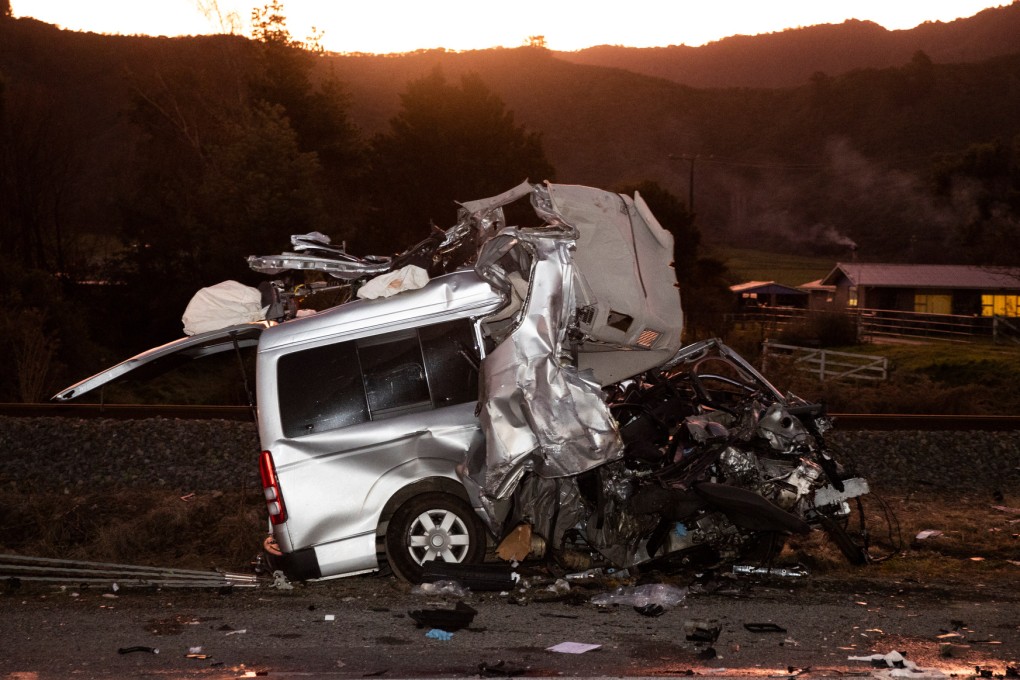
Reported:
(271, 489)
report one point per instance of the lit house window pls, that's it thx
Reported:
(1000, 305)
(933, 304)
(852, 297)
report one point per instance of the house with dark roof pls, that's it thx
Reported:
(768, 294)
(926, 288)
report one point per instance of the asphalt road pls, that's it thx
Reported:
(361, 627)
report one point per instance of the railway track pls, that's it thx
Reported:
(844, 421)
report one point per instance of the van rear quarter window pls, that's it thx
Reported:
(321, 389)
(383, 376)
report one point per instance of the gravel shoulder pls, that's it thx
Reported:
(955, 615)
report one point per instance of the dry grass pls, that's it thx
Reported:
(157, 528)
(977, 541)
(225, 529)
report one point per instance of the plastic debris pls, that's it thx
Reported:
(787, 572)
(130, 650)
(664, 595)
(573, 647)
(329, 617)
(448, 588)
(764, 628)
(701, 631)
(900, 667)
(471, 577)
(446, 619)
(499, 670)
(439, 634)
(280, 581)
(928, 533)
(560, 586)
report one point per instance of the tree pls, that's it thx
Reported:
(229, 165)
(982, 186)
(39, 164)
(447, 143)
(5, 9)
(315, 104)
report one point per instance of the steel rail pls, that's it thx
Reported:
(132, 583)
(112, 565)
(844, 421)
(8, 570)
(67, 571)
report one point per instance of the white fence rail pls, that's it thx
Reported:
(879, 323)
(827, 364)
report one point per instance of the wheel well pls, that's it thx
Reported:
(429, 485)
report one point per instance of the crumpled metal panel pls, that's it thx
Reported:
(538, 413)
(629, 313)
(782, 431)
(348, 269)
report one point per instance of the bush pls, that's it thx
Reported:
(823, 329)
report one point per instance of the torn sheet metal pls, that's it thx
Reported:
(537, 411)
(627, 297)
(346, 268)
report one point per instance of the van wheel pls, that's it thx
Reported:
(433, 526)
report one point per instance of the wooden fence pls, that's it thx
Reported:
(826, 364)
(883, 323)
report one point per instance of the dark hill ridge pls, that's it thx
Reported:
(843, 154)
(790, 57)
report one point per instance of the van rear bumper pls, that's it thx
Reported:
(354, 555)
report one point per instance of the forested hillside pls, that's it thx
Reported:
(789, 58)
(155, 164)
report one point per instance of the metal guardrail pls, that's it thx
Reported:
(844, 421)
(52, 570)
(827, 364)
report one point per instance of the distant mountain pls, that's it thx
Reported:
(790, 57)
(825, 159)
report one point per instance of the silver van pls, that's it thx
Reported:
(524, 384)
(376, 446)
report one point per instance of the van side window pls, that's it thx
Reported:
(451, 362)
(320, 389)
(394, 374)
(382, 376)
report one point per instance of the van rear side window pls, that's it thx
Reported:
(383, 376)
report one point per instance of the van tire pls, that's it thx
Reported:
(433, 526)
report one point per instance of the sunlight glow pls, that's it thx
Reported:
(389, 26)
